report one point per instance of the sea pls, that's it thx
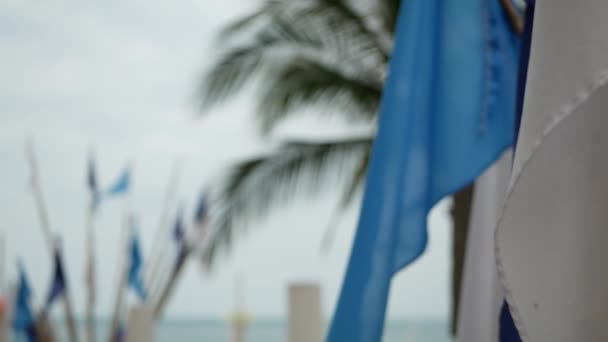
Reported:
(275, 330)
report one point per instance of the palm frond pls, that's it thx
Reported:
(389, 12)
(241, 64)
(340, 14)
(304, 81)
(330, 30)
(244, 24)
(257, 185)
(356, 181)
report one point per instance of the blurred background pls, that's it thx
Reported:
(268, 111)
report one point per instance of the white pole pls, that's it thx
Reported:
(305, 322)
(46, 231)
(141, 324)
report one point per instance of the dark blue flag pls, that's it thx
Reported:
(508, 331)
(58, 284)
(179, 236)
(135, 267)
(92, 183)
(178, 229)
(523, 63)
(200, 215)
(23, 317)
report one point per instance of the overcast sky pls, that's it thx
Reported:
(120, 76)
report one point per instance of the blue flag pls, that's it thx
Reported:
(58, 284)
(179, 237)
(135, 266)
(23, 317)
(507, 331)
(523, 62)
(92, 183)
(121, 185)
(200, 215)
(178, 229)
(446, 115)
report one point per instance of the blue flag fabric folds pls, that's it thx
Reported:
(23, 317)
(446, 115)
(58, 284)
(135, 266)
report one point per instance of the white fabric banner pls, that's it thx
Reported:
(481, 296)
(552, 239)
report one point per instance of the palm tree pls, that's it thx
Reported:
(326, 54)
(331, 55)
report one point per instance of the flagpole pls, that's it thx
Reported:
(91, 277)
(154, 265)
(163, 277)
(122, 276)
(3, 282)
(46, 231)
(167, 290)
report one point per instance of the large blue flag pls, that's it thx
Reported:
(446, 115)
(58, 284)
(135, 266)
(23, 317)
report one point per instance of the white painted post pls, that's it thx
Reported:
(305, 319)
(141, 324)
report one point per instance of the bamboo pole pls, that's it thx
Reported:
(167, 290)
(92, 281)
(201, 237)
(46, 232)
(164, 274)
(153, 266)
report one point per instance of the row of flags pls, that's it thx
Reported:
(25, 318)
(120, 186)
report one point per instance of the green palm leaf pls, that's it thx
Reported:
(305, 82)
(254, 186)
